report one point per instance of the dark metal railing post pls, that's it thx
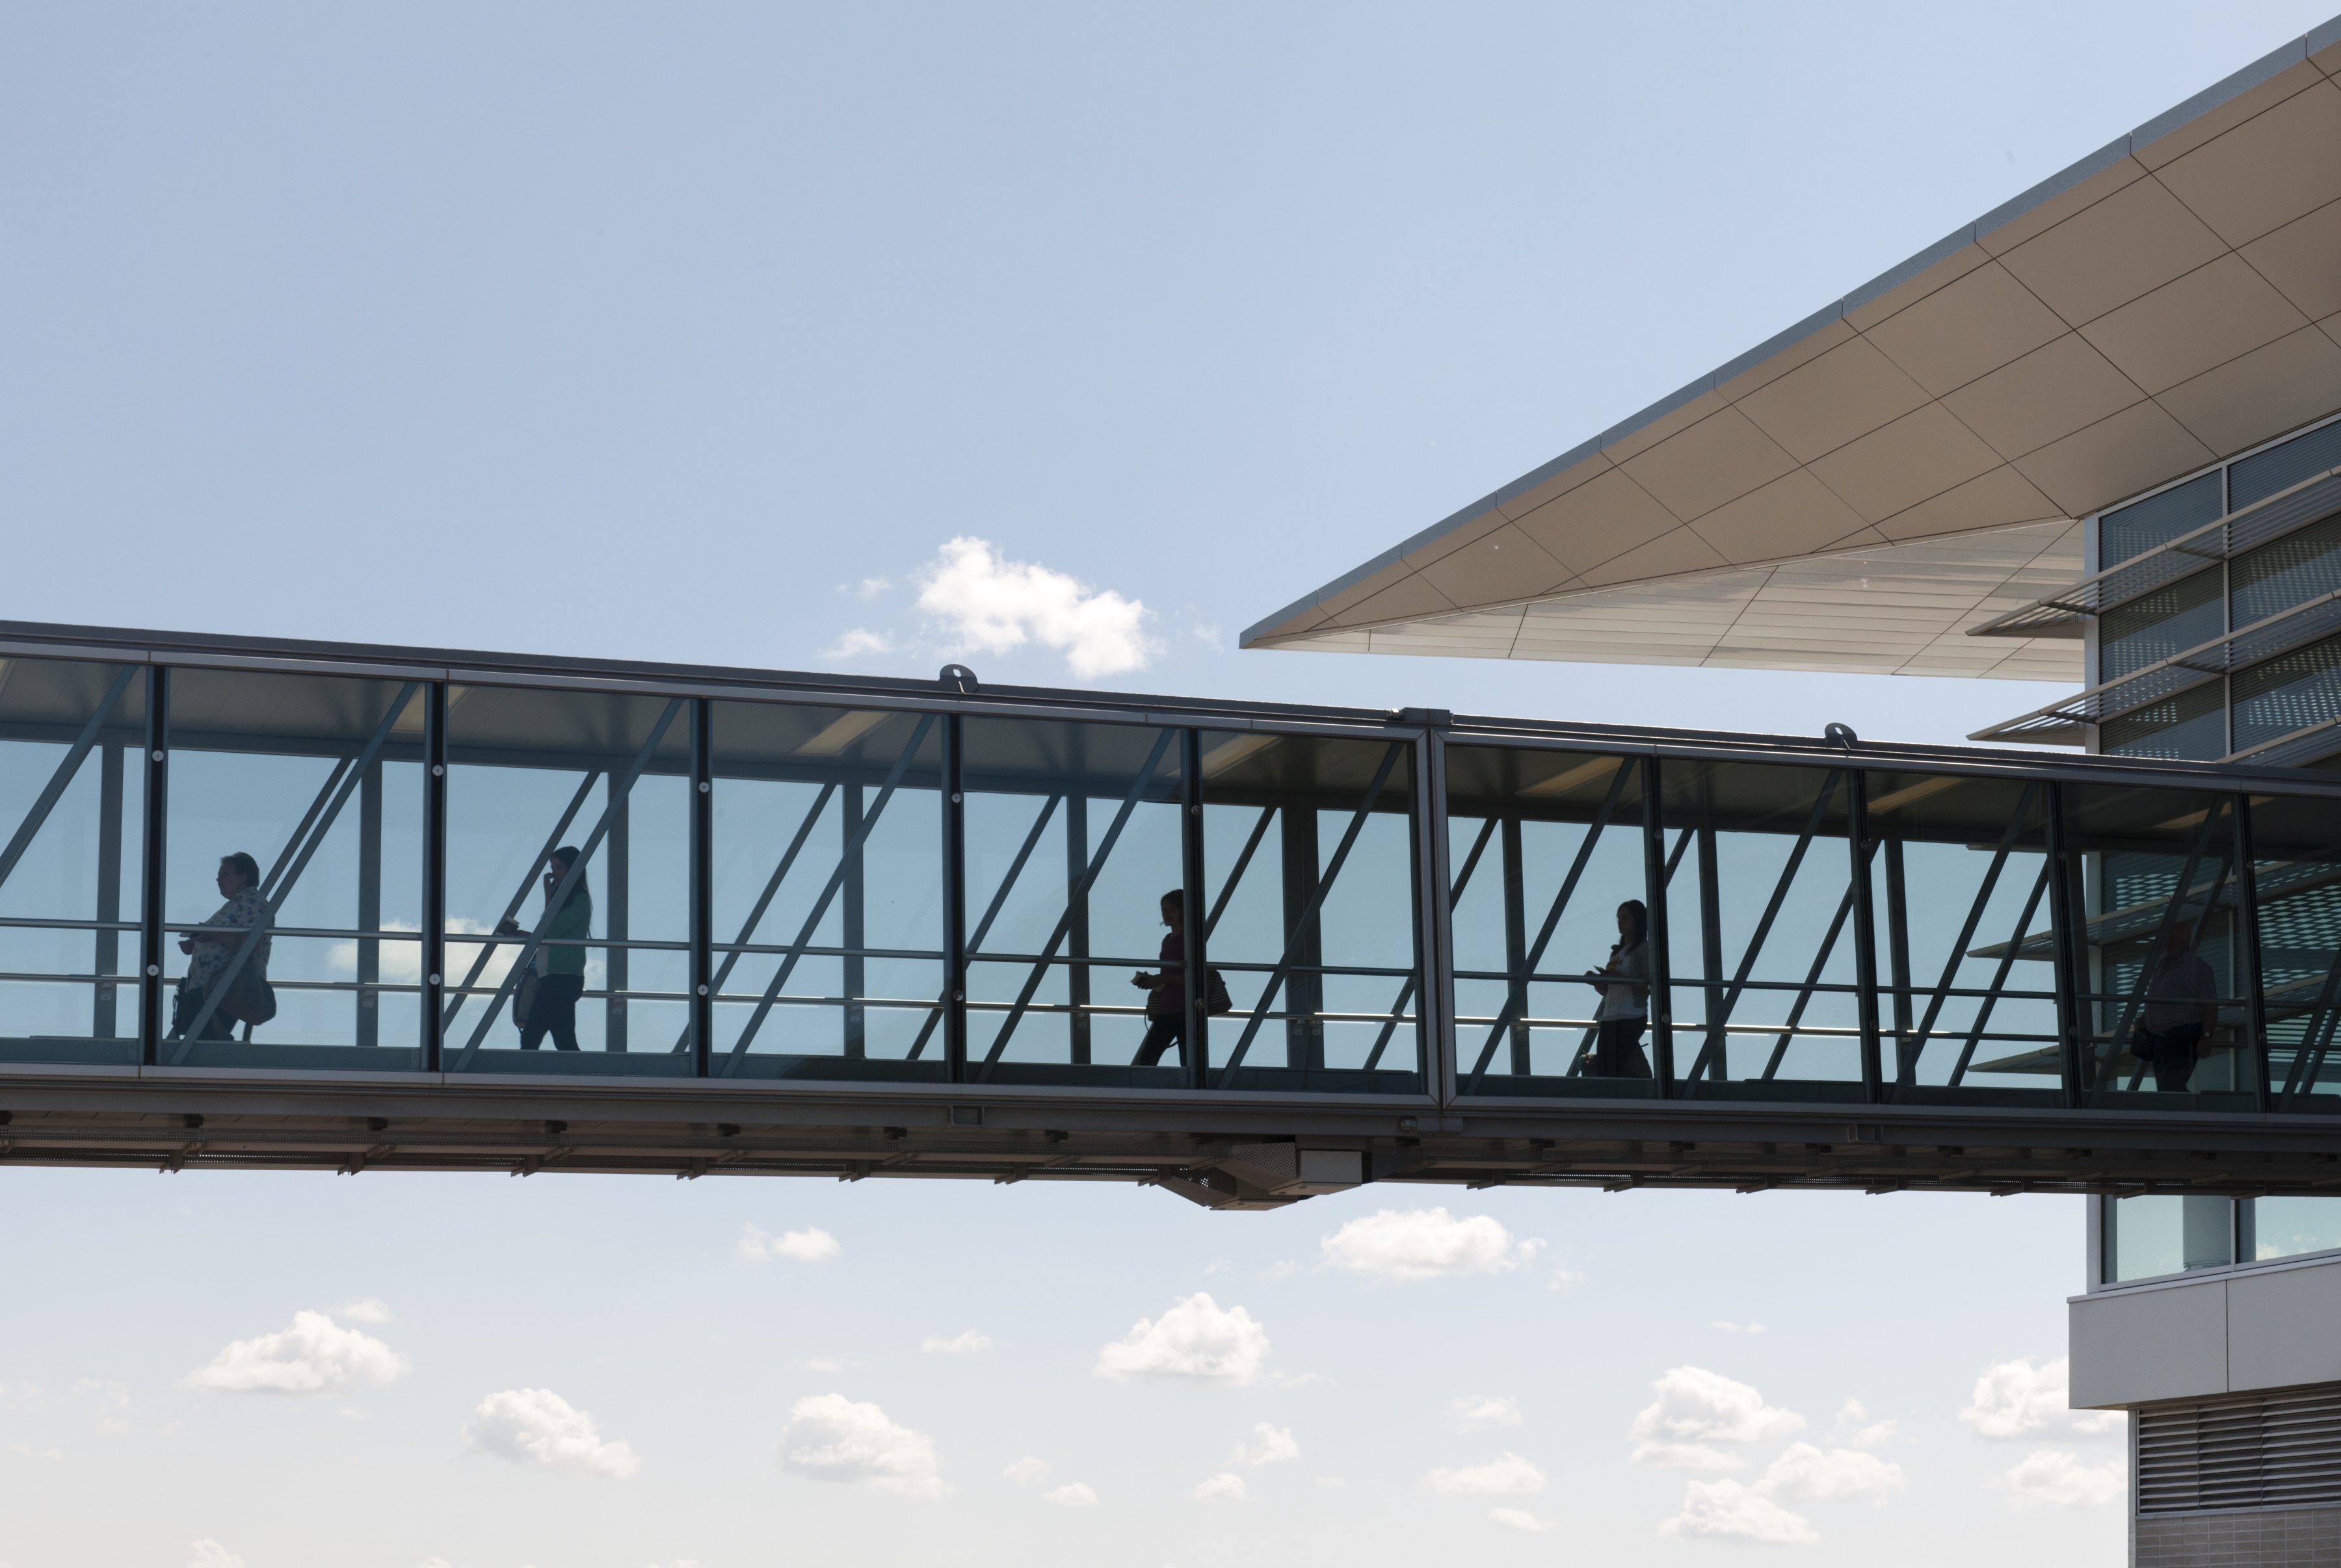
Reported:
(1434, 950)
(1654, 898)
(152, 808)
(1516, 942)
(2064, 915)
(702, 882)
(1897, 949)
(1192, 917)
(434, 871)
(1716, 1052)
(2247, 926)
(954, 796)
(1865, 933)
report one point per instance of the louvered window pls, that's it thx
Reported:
(2280, 1449)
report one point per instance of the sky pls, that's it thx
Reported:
(1064, 341)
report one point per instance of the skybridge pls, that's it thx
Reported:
(822, 924)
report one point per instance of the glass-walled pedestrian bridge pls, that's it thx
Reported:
(757, 922)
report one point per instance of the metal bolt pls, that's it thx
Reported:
(704, 786)
(1195, 811)
(702, 991)
(153, 969)
(434, 979)
(955, 798)
(437, 771)
(158, 757)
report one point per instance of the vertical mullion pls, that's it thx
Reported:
(434, 869)
(954, 871)
(1865, 932)
(151, 880)
(369, 964)
(1516, 942)
(1654, 899)
(618, 923)
(2248, 927)
(1077, 931)
(1710, 958)
(702, 881)
(2061, 920)
(1193, 909)
(851, 917)
(104, 1022)
(1897, 945)
(1434, 950)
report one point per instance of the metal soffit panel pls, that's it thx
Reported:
(2165, 301)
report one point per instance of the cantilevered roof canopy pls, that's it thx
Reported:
(1903, 466)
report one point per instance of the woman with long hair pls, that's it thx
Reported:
(1625, 985)
(560, 962)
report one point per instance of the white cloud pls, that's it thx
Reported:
(2016, 1399)
(1026, 1469)
(1227, 1484)
(1517, 1519)
(1275, 1443)
(1071, 1495)
(858, 643)
(372, 1309)
(1739, 1327)
(2060, 1479)
(1195, 1341)
(968, 1344)
(867, 588)
(824, 1364)
(1733, 1512)
(212, 1554)
(985, 602)
(833, 1438)
(314, 1355)
(27, 1451)
(1487, 1410)
(811, 1245)
(1697, 1408)
(1425, 1243)
(1498, 1478)
(1803, 1471)
(537, 1426)
(1856, 1430)
(401, 963)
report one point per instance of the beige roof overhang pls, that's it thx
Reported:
(1863, 489)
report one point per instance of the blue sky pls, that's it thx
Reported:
(1066, 340)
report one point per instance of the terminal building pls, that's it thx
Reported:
(268, 904)
(2094, 437)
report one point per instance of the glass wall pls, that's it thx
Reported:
(1310, 861)
(2296, 888)
(568, 882)
(73, 784)
(1547, 865)
(293, 881)
(2153, 1235)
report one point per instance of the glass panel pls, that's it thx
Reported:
(2161, 981)
(2189, 727)
(2297, 878)
(1958, 893)
(2171, 620)
(2157, 1234)
(2257, 477)
(1760, 938)
(829, 893)
(568, 837)
(2290, 692)
(1545, 854)
(295, 820)
(2285, 573)
(72, 799)
(1073, 857)
(1308, 857)
(2287, 1226)
(2158, 519)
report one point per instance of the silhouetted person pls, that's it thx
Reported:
(560, 969)
(2181, 1011)
(1166, 1001)
(239, 884)
(1625, 1010)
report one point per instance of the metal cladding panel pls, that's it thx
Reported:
(2129, 1347)
(2282, 1328)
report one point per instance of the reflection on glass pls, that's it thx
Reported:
(71, 792)
(1959, 893)
(568, 844)
(2159, 1234)
(828, 893)
(1309, 861)
(2296, 886)
(1760, 924)
(2287, 1226)
(293, 888)
(1546, 857)
(2162, 985)
(1073, 857)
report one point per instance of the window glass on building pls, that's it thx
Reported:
(2158, 518)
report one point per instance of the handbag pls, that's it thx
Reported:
(1216, 1001)
(524, 1000)
(251, 1000)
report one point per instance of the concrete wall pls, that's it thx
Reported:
(2270, 1326)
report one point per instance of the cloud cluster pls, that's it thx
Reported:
(1275, 1444)
(811, 1245)
(1197, 1341)
(1486, 1410)
(1425, 1243)
(1226, 1486)
(536, 1426)
(1026, 1469)
(1073, 1494)
(985, 602)
(2014, 1399)
(1696, 1409)
(1752, 1512)
(315, 1355)
(210, 1553)
(833, 1438)
(1517, 1519)
(1499, 1477)
(2060, 1480)
(968, 1344)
